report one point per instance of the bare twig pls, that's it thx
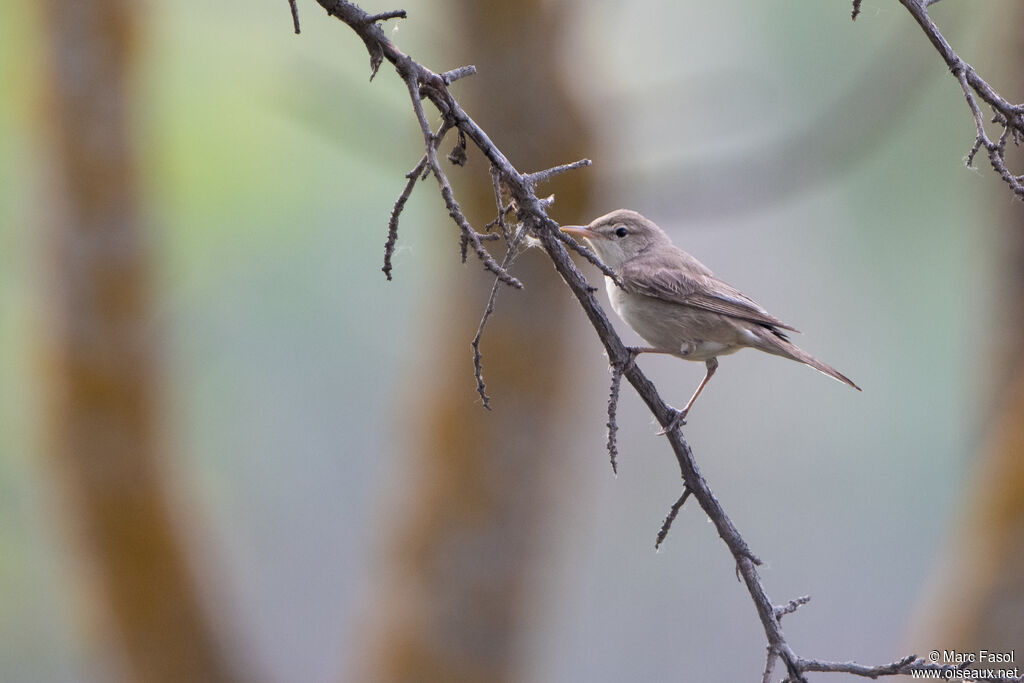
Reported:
(478, 369)
(421, 169)
(548, 174)
(384, 16)
(769, 664)
(912, 663)
(469, 235)
(671, 517)
(474, 238)
(1006, 114)
(613, 406)
(499, 221)
(981, 139)
(450, 77)
(532, 214)
(586, 253)
(902, 666)
(791, 606)
(295, 15)
(499, 202)
(396, 212)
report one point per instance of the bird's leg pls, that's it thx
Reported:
(712, 365)
(637, 350)
(634, 351)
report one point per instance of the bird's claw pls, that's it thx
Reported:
(632, 352)
(675, 424)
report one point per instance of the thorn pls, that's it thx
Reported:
(671, 517)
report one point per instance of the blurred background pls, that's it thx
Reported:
(231, 450)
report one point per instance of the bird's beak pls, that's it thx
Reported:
(579, 231)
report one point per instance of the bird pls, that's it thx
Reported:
(677, 305)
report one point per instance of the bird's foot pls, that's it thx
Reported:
(676, 422)
(631, 355)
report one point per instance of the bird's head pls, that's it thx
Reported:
(619, 236)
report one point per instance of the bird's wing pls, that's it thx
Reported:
(682, 279)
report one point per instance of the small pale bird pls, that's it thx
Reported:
(676, 303)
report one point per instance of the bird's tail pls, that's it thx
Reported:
(775, 343)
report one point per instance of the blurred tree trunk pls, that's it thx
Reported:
(102, 394)
(978, 599)
(471, 524)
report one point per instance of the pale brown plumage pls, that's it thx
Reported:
(673, 275)
(677, 304)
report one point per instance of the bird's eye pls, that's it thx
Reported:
(621, 231)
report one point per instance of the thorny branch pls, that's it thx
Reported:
(1004, 113)
(478, 368)
(613, 406)
(396, 212)
(534, 221)
(671, 517)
